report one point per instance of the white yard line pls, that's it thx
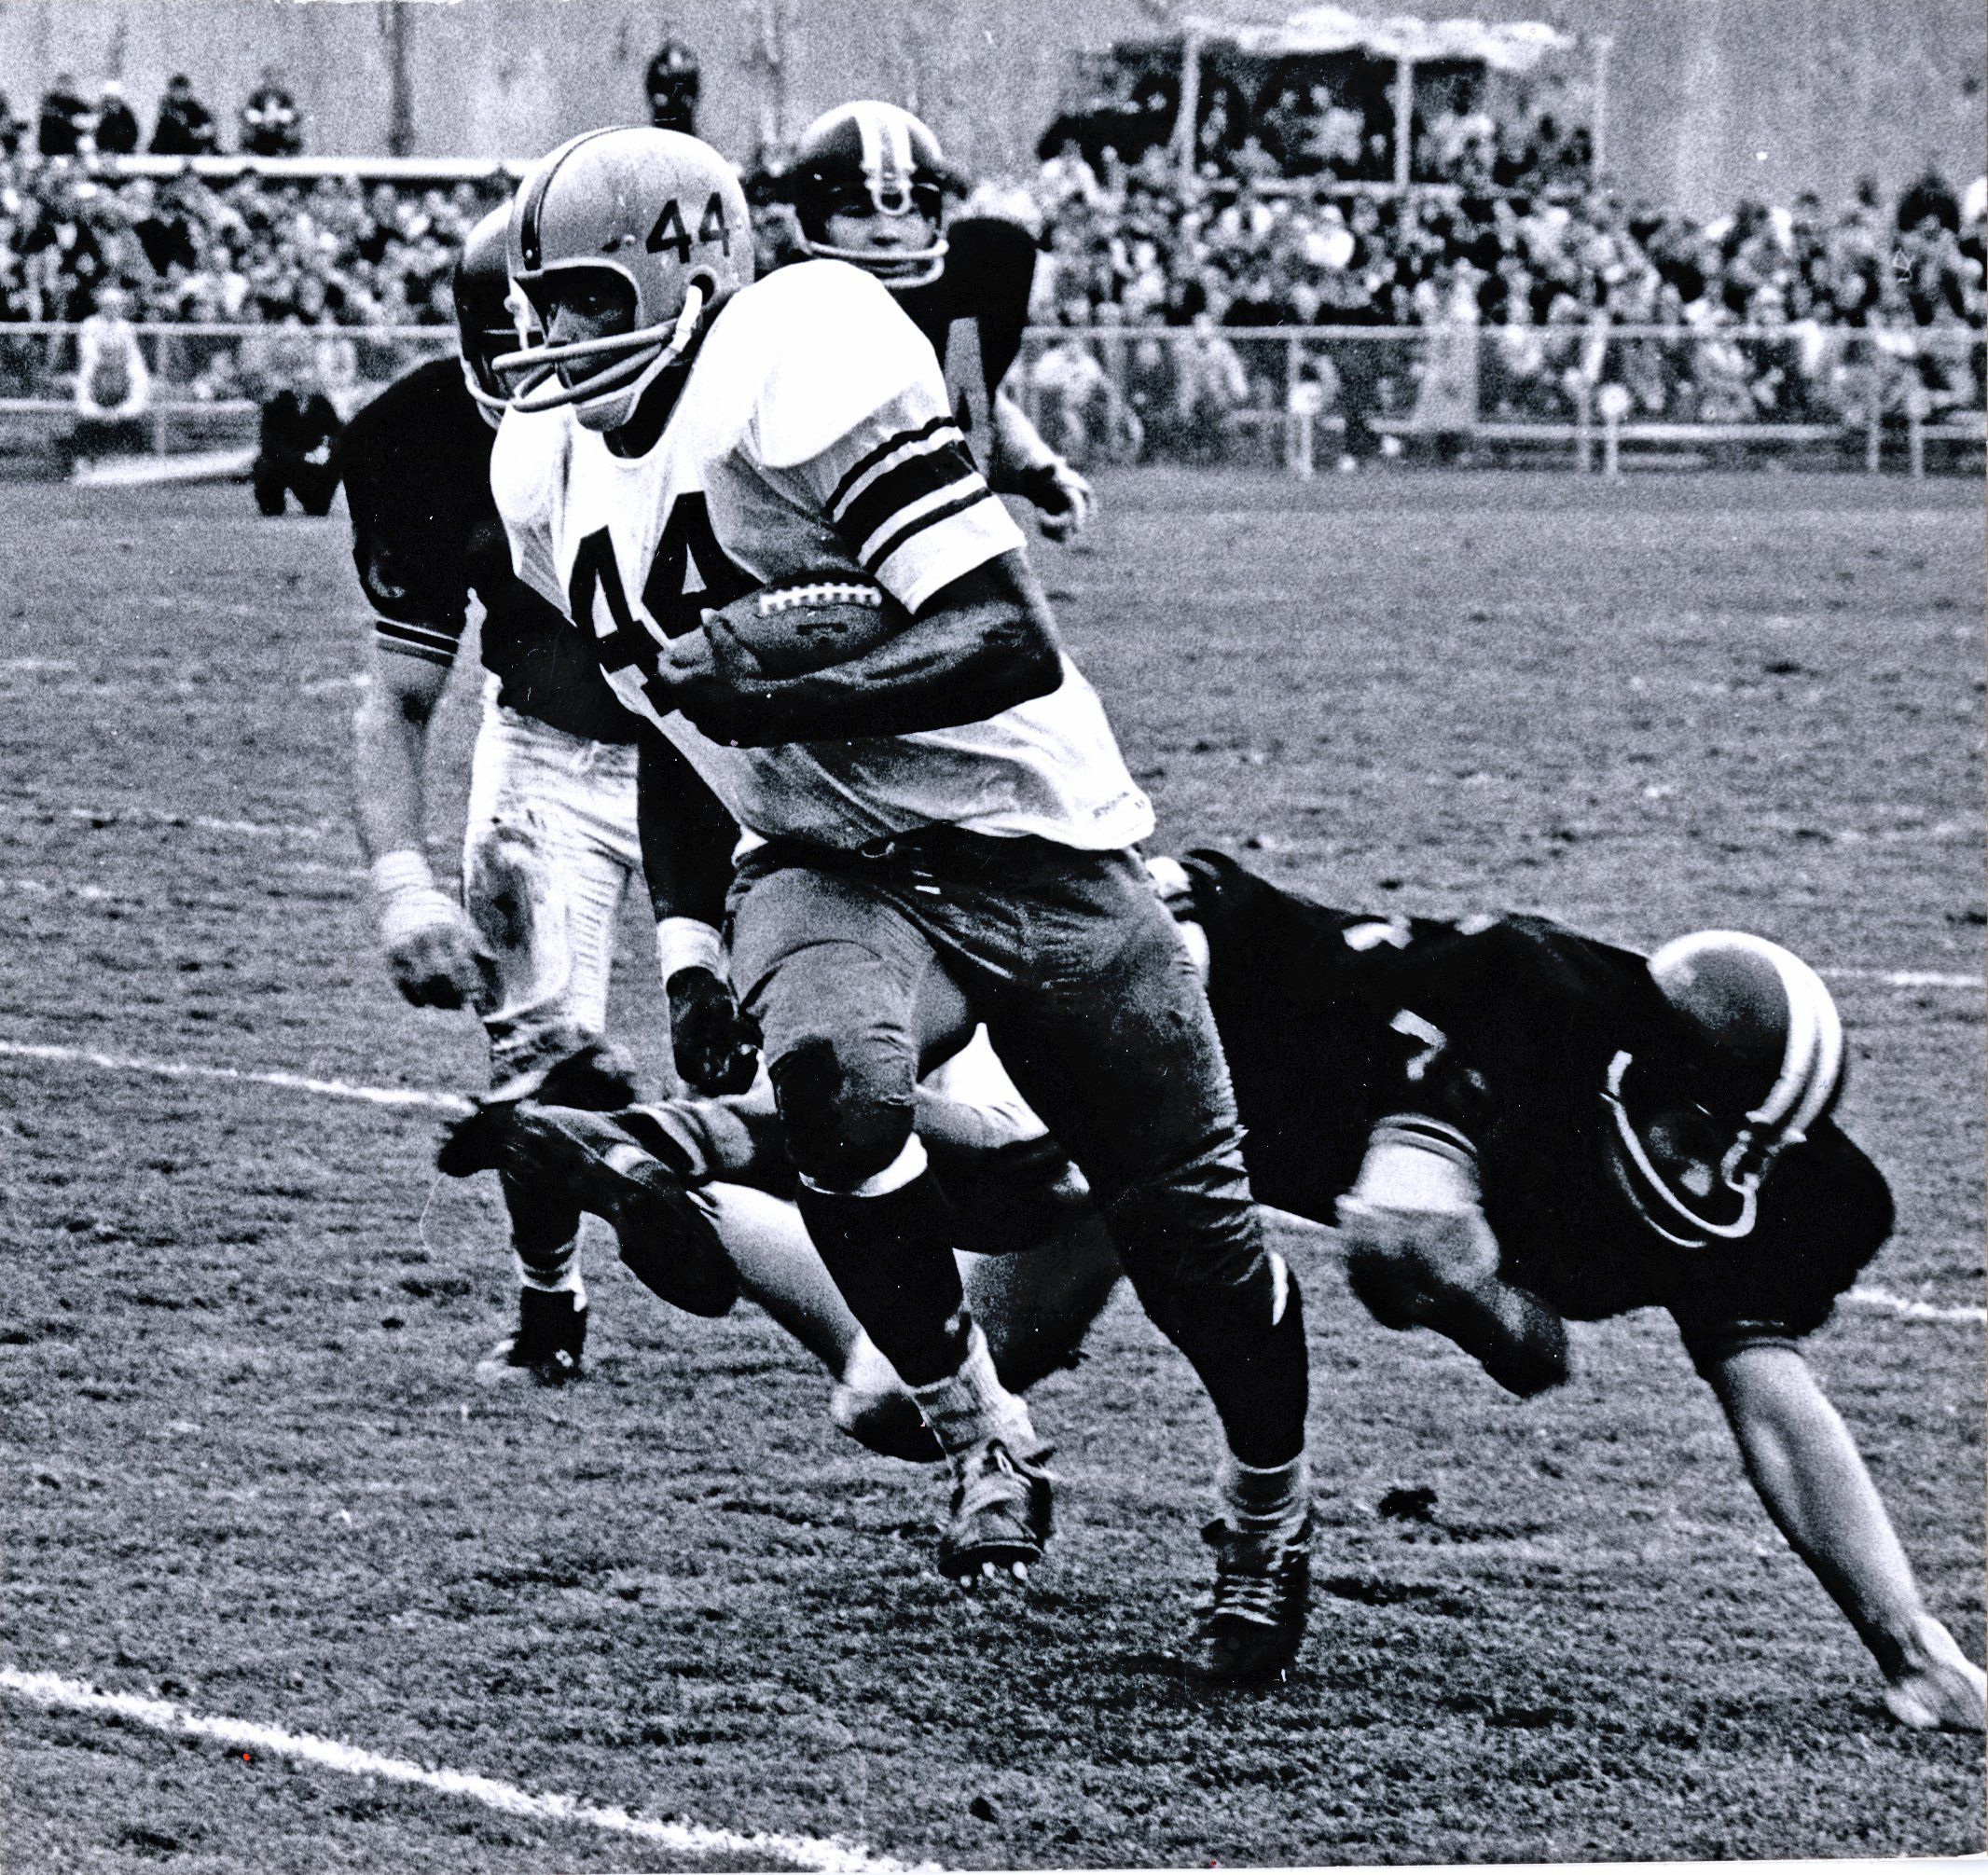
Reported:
(195, 1070)
(53, 1692)
(1906, 1309)
(1913, 979)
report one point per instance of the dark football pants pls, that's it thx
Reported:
(1096, 1010)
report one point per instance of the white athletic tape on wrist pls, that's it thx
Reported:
(1414, 1164)
(405, 871)
(688, 944)
(410, 903)
(908, 1165)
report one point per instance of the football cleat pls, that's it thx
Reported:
(1000, 1515)
(545, 1345)
(1254, 1621)
(598, 1077)
(1758, 1060)
(658, 212)
(666, 1230)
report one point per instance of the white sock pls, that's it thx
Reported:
(1271, 1499)
(972, 1406)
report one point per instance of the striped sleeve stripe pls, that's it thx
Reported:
(979, 492)
(875, 457)
(936, 468)
(416, 640)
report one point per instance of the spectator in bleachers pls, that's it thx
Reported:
(270, 126)
(113, 387)
(11, 128)
(1211, 386)
(1930, 199)
(115, 129)
(185, 126)
(64, 118)
(672, 86)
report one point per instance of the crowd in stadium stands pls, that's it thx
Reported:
(1765, 315)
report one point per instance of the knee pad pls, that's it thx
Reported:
(840, 1131)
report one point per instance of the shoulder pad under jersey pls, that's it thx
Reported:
(815, 349)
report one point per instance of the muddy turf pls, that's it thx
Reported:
(247, 1472)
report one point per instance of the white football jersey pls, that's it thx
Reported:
(812, 436)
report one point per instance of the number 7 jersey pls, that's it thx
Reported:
(812, 436)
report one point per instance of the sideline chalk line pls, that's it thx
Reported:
(425, 1099)
(830, 1854)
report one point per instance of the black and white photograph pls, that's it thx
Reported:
(992, 934)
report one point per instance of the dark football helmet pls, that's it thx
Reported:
(487, 312)
(675, 83)
(1758, 1062)
(868, 158)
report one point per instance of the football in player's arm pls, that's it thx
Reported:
(1532, 1127)
(870, 186)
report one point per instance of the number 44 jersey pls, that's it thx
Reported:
(812, 436)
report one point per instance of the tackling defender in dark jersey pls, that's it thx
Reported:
(870, 186)
(552, 842)
(1532, 1127)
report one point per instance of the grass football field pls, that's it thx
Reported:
(249, 1482)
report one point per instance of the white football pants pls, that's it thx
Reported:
(549, 850)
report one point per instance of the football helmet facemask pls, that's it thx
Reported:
(872, 158)
(660, 214)
(1762, 1063)
(491, 319)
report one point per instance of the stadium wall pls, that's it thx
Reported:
(1710, 99)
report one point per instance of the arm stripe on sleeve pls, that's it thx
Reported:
(438, 647)
(935, 469)
(873, 560)
(891, 444)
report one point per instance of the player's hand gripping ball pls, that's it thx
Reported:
(794, 627)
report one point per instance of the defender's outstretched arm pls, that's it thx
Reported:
(427, 938)
(1811, 1477)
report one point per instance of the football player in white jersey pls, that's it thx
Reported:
(952, 799)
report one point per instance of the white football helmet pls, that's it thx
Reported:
(661, 211)
(1761, 1062)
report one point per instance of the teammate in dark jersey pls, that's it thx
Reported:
(552, 841)
(869, 185)
(1513, 1125)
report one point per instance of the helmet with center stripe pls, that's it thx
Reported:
(1760, 1062)
(872, 158)
(662, 213)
